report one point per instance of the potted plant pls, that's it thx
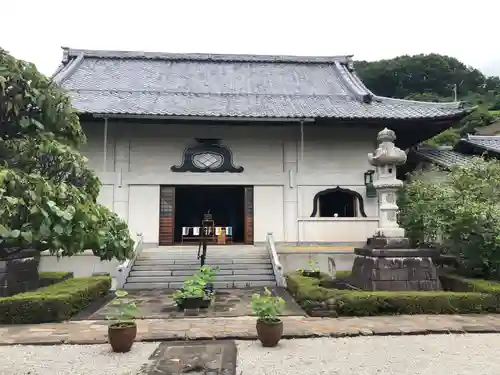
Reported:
(122, 332)
(192, 295)
(269, 325)
(207, 274)
(312, 269)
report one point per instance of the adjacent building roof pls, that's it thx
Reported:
(141, 83)
(481, 142)
(444, 157)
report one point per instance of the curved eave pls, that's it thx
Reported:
(450, 117)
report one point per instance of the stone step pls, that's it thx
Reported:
(209, 255)
(195, 267)
(209, 261)
(180, 279)
(189, 272)
(217, 285)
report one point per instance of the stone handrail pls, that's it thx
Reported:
(277, 267)
(125, 267)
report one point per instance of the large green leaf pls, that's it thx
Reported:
(47, 191)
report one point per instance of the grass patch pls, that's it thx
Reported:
(476, 296)
(53, 303)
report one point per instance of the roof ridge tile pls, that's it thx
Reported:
(110, 54)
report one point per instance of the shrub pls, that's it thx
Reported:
(460, 211)
(53, 303)
(319, 301)
(49, 278)
(463, 284)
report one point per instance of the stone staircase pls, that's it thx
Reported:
(167, 267)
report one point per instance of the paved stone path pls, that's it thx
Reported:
(159, 304)
(243, 328)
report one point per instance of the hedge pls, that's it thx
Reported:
(320, 301)
(53, 303)
(49, 278)
(463, 284)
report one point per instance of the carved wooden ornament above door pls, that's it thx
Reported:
(208, 155)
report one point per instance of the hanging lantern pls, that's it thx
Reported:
(371, 192)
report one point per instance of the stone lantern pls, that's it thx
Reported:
(387, 262)
(385, 160)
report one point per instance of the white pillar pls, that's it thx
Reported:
(105, 150)
(290, 204)
(122, 166)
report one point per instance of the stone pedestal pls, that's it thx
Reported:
(19, 273)
(378, 267)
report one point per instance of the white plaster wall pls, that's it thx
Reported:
(291, 261)
(155, 148)
(285, 177)
(82, 265)
(106, 196)
(93, 149)
(336, 229)
(144, 212)
(268, 212)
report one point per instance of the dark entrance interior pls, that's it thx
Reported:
(338, 202)
(226, 204)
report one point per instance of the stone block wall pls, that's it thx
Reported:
(395, 274)
(19, 273)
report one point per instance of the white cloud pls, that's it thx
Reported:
(35, 30)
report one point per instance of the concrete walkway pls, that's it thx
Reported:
(243, 328)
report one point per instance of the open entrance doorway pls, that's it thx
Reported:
(225, 203)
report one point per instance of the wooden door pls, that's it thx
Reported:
(167, 215)
(249, 215)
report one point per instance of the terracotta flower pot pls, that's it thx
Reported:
(121, 336)
(269, 333)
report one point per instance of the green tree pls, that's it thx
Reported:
(447, 138)
(460, 211)
(433, 75)
(477, 119)
(47, 193)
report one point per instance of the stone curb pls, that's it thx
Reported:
(249, 337)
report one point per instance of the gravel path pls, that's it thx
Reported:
(383, 355)
(73, 360)
(471, 354)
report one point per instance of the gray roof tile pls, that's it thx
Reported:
(444, 157)
(488, 143)
(140, 83)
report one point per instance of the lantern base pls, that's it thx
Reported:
(389, 264)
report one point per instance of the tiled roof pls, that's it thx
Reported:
(443, 156)
(485, 142)
(140, 83)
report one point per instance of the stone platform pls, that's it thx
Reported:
(159, 304)
(395, 269)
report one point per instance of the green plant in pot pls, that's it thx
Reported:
(207, 274)
(192, 294)
(312, 269)
(122, 332)
(269, 326)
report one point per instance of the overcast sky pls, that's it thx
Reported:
(35, 30)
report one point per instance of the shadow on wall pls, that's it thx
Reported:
(292, 261)
(83, 265)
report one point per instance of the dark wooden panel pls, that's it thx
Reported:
(249, 215)
(167, 214)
